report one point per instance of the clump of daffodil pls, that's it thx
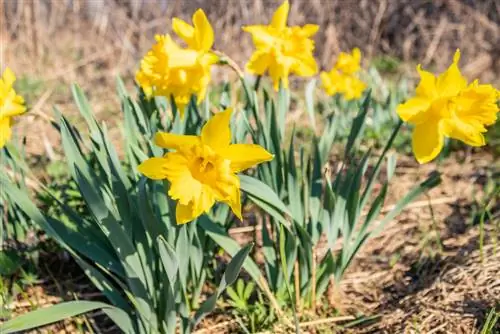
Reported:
(446, 106)
(11, 105)
(172, 71)
(202, 169)
(342, 79)
(282, 50)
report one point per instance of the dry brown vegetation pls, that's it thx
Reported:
(414, 281)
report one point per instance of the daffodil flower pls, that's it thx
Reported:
(199, 36)
(446, 106)
(335, 82)
(169, 70)
(342, 78)
(349, 63)
(202, 169)
(282, 50)
(11, 105)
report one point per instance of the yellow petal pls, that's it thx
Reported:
(185, 213)
(216, 132)
(5, 130)
(306, 66)
(310, 29)
(451, 81)
(468, 133)
(12, 105)
(477, 104)
(173, 141)
(427, 85)
(8, 77)
(184, 30)
(244, 156)
(259, 62)
(154, 168)
(280, 16)
(413, 107)
(235, 202)
(204, 34)
(183, 58)
(427, 141)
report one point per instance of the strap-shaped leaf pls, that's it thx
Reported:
(59, 312)
(230, 275)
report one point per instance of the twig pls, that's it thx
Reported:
(297, 285)
(326, 321)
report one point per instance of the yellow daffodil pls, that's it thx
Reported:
(445, 106)
(335, 82)
(349, 63)
(342, 78)
(169, 70)
(282, 50)
(11, 105)
(200, 36)
(202, 169)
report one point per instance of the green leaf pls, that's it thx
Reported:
(52, 314)
(433, 180)
(357, 126)
(169, 259)
(230, 275)
(262, 191)
(284, 268)
(221, 237)
(311, 85)
(10, 262)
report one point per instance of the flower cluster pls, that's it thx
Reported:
(202, 169)
(11, 105)
(342, 79)
(172, 71)
(446, 106)
(282, 50)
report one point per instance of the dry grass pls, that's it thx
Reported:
(91, 41)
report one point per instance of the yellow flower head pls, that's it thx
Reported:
(169, 70)
(282, 50)
(11, 105)
(202, 169)
(335, 82)
(200, 36)
(445, 106)
(349, 63)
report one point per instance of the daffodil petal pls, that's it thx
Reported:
(280, 16)
(5, 130)
(184, 30)
(466, 132)
(411, 108)
(234, 202)
(451, 81)
(427, 141)
(259, 62)
(244, 156)
(8, 77)
(427, 85)
(204, 34)
(216, 132)
(154, 168)
(184, 213)
(310, 30)
(173, 141)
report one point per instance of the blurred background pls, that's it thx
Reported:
(53, 43)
